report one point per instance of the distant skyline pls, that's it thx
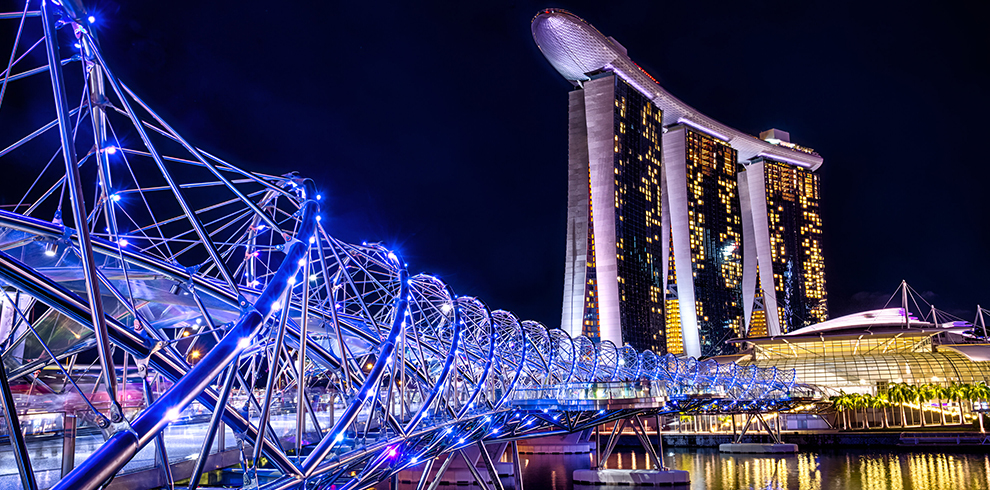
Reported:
(442, 131)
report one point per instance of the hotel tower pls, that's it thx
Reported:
(682, 232)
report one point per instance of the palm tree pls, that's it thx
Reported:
(856, 401)
(979, 391)
(956, 392)
(840, 404)
(940, 392)
(880, 401)
(864, 402)
(898, 393)
(919, 395)
(929, 393)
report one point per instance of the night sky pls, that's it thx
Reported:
(441, 130)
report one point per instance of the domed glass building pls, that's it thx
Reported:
(866, 352)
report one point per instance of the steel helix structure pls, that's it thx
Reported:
(148, 284)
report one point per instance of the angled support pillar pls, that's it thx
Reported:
(490, 465)
(773, 434)
(301, 398)
(613, 439)
(424, 478)
(517, 465)
(161, 454)
(441, 471)
(474, 471)
(745, 427)
(79, 214)
(16, 436)
(211, 431)
(640, 429)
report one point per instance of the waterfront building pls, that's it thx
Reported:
(614, 205)
(704, 224)
(656, 221)
(867, 352)
(784, 274)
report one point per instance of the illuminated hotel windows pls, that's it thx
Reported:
(637, 219)
(655, 239)
(622, 296)
(706, 238)
(791, 273)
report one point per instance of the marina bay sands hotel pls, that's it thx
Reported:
(682, 232)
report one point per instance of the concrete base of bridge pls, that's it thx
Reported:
(631, 477)
(741, 447)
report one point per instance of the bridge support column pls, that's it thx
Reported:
(21, 455)
(517, 466)
(463, 467)
(68, 443)
(490, 465)
(660, 475)
(775, 447)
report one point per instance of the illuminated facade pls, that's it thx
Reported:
(785, 274)
(615, 262)
(704, 223)
(866, 352)
(695, 255)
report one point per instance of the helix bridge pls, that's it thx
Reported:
(144, 278)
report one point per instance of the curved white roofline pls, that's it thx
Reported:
(575, 49)
(865, 319)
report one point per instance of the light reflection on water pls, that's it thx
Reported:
(853, 469)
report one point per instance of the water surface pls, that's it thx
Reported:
(807, 470)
